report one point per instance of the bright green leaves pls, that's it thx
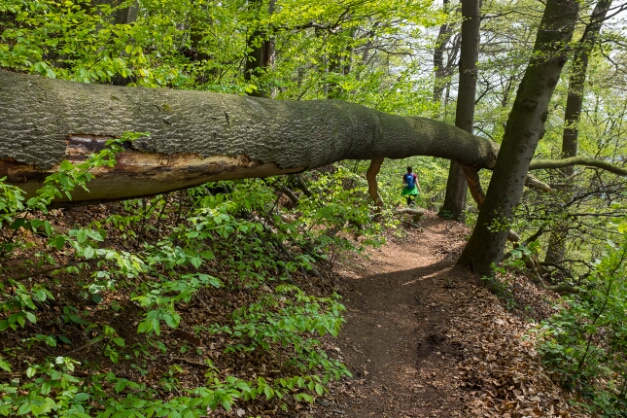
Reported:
(49, 387)
(200, 45)
(152, 323)
(585, 343)
(149, 262)
(289, 318)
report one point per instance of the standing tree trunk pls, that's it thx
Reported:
(127, 14)
(261, 51)
(438, 57)
(455, 199)
(525, 127)
(557, 241)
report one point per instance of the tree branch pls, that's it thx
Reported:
(566, 162)
(533, 183)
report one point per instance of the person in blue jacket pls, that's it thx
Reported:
(411, 187)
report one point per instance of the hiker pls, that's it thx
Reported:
(411, 187)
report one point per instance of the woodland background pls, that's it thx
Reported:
(100, 306)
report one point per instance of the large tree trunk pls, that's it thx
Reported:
(570, 139)
(199, 136)
(455, 199)
(525, 127)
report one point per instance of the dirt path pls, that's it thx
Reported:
(424, 340)
(395, 339)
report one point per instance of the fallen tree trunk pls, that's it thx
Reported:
(410, 211)
(417, 213)
(197, 137)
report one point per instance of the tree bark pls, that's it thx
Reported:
(570, 138)
(455, 198)
(127, 14)
(525, 127)
(200, 136)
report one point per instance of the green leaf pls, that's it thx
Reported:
(96, 235)
(267, 390)
(171, 321)
(80, 397)
(32, 318)
(319, 389)
(88, 252)
(40, 295)
(82, 235)
(119, 386)
(24, 409)
(45, 388)
(18, 223)
(5, 365)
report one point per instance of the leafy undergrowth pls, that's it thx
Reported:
(585, 343)
(199, 302)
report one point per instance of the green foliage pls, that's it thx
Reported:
(585, 343)
(201, 44)
(284, 318)
(161, 255)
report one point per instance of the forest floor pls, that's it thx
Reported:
(420, 339)
(423, 340)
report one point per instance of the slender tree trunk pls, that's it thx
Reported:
(525, 127)
(455, 199)
(456, 191)
(261, 55)
(127, 14)
(557, 241)
(438, 57)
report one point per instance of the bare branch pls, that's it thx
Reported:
(567, 162)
